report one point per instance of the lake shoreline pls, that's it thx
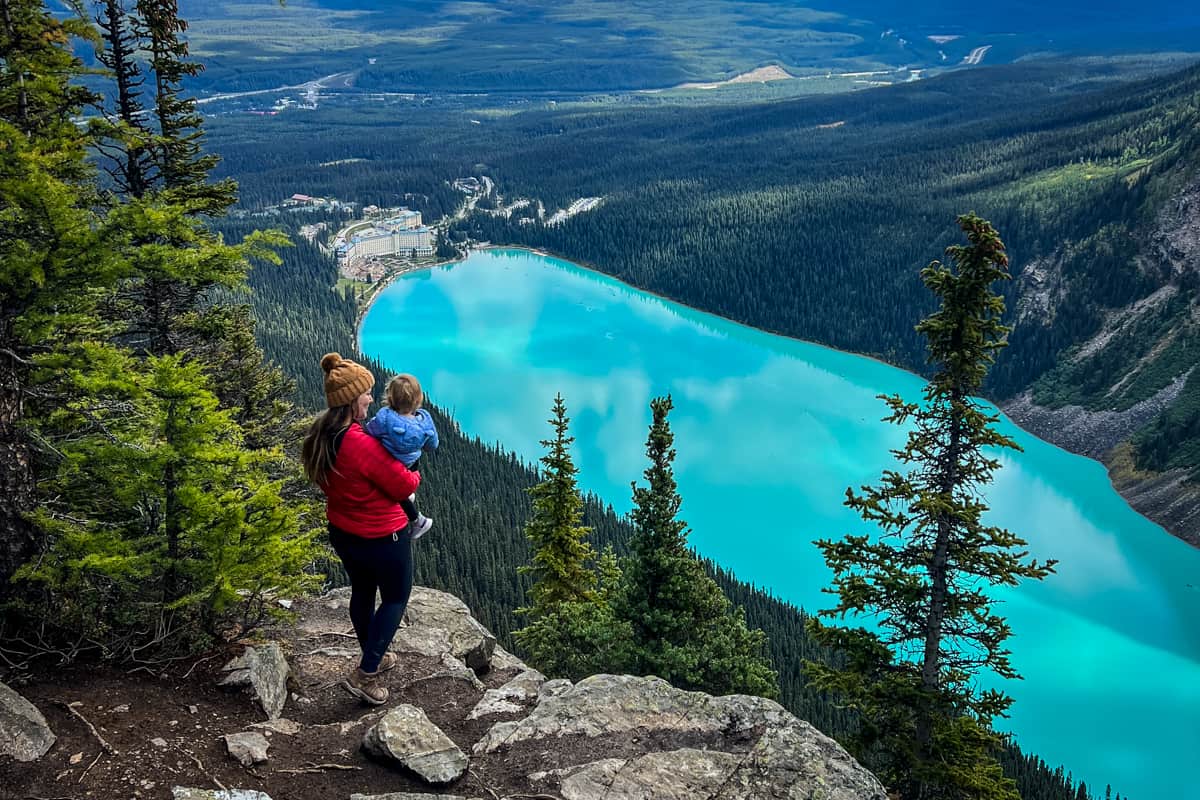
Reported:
(1161, 508)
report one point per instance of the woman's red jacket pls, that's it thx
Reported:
(365, 487)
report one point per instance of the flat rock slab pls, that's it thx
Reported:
(264, 669)
(183, 793)
(407, 737)
(24, 734)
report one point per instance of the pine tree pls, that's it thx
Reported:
(165, 529)
(684, 629)
(163, 517)
(924, 579)
(555, 531)
(571, 632)
(55, 254)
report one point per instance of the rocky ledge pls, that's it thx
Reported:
(465, 719)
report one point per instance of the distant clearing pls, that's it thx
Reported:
(760, 75)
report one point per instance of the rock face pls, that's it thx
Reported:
(264, 669)
(750, 747)
(406, 736)
(24, 734)
(469, 640)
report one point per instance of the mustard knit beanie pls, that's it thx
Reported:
(344, 380)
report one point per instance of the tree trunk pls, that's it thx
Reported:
(17, 484)
(938, 567)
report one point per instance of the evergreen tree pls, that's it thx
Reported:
(924, 579)
(165, 529)
(572, 632)
(555, 531)
(684, 629)
(162, 518)
(54, 250)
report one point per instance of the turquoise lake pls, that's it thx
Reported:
(769, 432)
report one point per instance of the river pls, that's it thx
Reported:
(769, 432)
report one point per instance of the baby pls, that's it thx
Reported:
(407, 431)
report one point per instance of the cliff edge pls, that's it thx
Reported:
(268, 720)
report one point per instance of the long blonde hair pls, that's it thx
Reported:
(318, 453)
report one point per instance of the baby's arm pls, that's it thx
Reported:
(431, 434)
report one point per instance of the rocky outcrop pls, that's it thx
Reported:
(407, 737)
(612, 736)
(264, 669)
(1089, 433)
(701, 746)
(24, 734)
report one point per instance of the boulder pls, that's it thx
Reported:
(184, 793)
(469, 640)
(264, 669)
(502, 659)
(24, 734)
(407, 737)
(248, 748)
(507, 699)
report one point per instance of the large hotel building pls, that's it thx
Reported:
(396, 236)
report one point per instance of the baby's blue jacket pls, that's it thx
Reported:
(404, 437)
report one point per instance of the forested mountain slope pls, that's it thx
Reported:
(813, 217)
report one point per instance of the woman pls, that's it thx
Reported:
(363, 488)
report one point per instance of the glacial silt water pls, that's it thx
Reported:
(770, 432)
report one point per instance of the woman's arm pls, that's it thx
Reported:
(390, 476)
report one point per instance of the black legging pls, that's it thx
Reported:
(383, 564)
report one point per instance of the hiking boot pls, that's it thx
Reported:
(421, 526)
(388, 661)
(365, 686)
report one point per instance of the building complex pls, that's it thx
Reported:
(400, 235)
